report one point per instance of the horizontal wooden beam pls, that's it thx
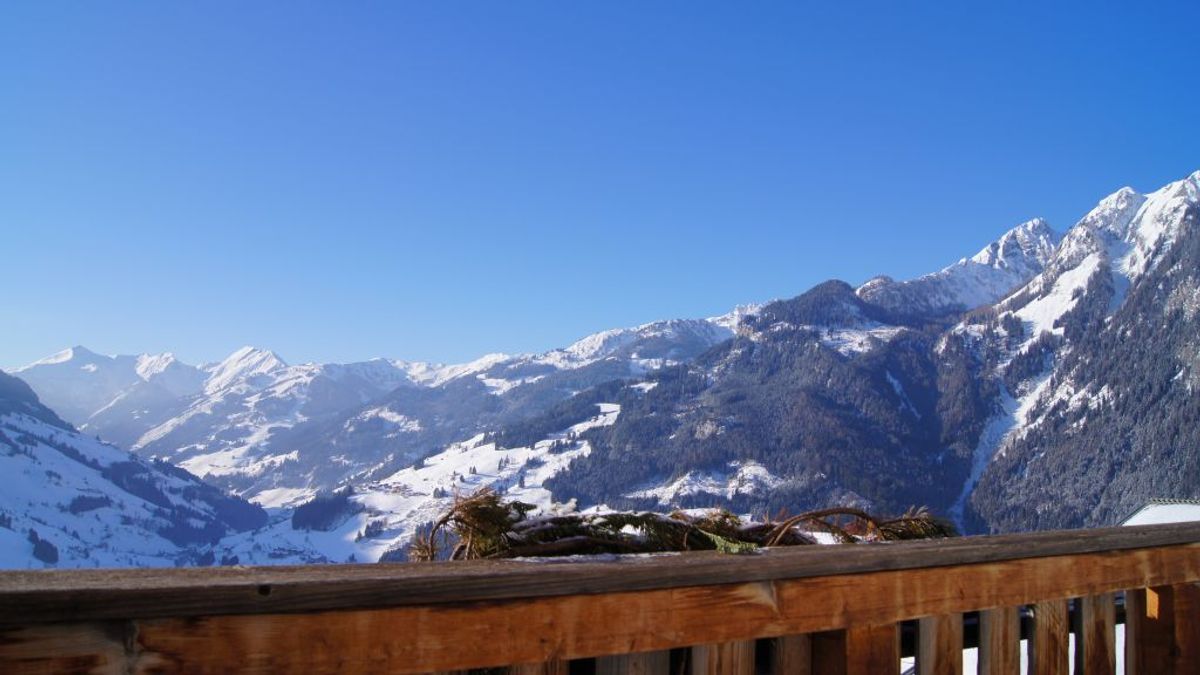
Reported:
(28, 597)
(495, 633)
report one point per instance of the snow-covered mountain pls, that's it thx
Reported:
(79, 383)
(1046, 381)
(1065, 400)
(1097, 411)
(279, 433)
(971, 282)
(72, 501)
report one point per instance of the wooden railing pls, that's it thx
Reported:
(828, 609)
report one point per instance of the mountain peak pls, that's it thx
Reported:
(1031, 241)
(1113, 214)
(242, 364)
(1017, 256)
(1187, 188)
(149, 365)
(251, 350)
(65, 356)
(1033, 225)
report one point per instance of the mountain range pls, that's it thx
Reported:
(278, 433)
(71, 500)
(1045, 381)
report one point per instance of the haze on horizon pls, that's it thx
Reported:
(436, 183)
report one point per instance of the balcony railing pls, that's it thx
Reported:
(820, 609)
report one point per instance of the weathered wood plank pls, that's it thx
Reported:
(728, 658)
(999, 641)
(447, 637)
(1050, 645)
(642, 663)
(78, 595)
(873, 649)
(1099, 637)
(940, 645)
(792, 655)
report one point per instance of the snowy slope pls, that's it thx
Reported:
(1123, 235)
(737, 478)
(72, 501)
(383, 515)
(1088, 279)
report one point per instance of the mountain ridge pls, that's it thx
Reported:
(949, 390)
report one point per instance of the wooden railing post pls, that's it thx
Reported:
(1099, 639)
(1147, 640)
(940, 645)
(727, 658)
(858, 650)
(1162, 630)
(1149, 630)
(829, 652)
(792, 655)
(1050, 644)
(873, 650)
(999, 641)
(1187, 627)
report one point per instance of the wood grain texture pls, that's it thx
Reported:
(1135, 631)
(829, 652)
(792, 655)
(1162, 629)
(99, 648)
(1050, 645)
(728, 658)
(1150, 630)
(436, 637)
(999, 641)
(873, 649)
(1187, 627)
(83, 595)
(940, 645)
(591, 625)
(1099, 619)
(642, 663)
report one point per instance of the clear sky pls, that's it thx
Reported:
(438, 180)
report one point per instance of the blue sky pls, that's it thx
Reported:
(435, 181)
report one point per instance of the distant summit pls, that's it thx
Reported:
(982, 279)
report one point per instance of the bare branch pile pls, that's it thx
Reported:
(483, 526)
